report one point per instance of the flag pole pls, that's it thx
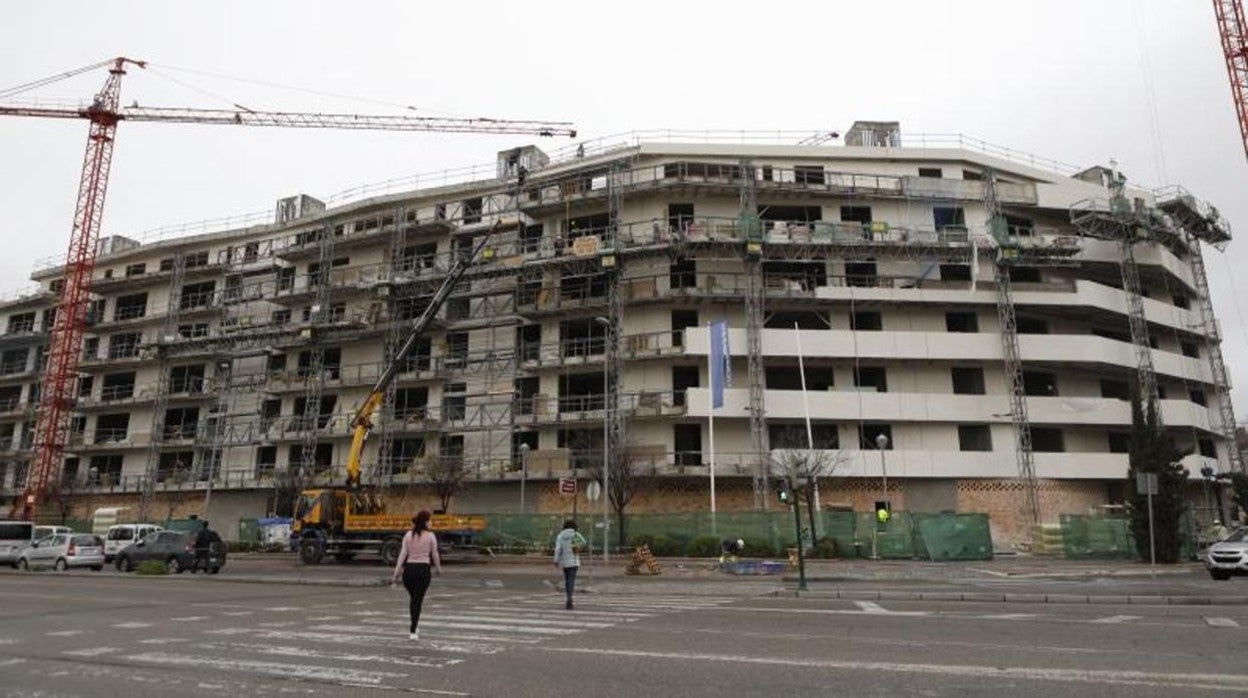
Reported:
(710, 403)
(810, 434)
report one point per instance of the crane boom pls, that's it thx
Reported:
(362, 422)
(248, 117)
(1234, 32)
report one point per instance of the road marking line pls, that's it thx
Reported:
(132, 625)
(283, 609)
(91, 651)
(1221, 622)
(1115, 619)
(497, 619)
(1009, 616)
(340, 675)
(188, 619)
(303, 652)
(870, 606)
(12, 661)
(238, 613)
(325, 618)
(163, 641)
(1139, 678)
(452, 626)
(66, 633)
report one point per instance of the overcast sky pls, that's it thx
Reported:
(1063, 78)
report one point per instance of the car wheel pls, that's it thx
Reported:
(22, 564)
(61, 565)
(1220, 575)
(174, 565)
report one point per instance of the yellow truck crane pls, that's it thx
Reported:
(344, 521)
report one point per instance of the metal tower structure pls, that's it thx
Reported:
(314, 372)
(615, 448)
(1233, 30)
(1013, 364)
(169, 329)
(755, 292)
(104, 113)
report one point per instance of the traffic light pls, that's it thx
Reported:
(883, 511)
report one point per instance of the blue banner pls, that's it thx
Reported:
(721, 363)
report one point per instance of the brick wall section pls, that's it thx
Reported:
(1002, 500)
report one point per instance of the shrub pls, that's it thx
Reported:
(660, 545)
(703, 546)
(827, 548)
(152, 568)
(759, 548)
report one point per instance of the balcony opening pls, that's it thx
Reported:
(792, 435)
(1206, 448)
(11, 396)
(1017, 226)
(856, 214)
(582, 338)
(124, 346)
(455, 402)
(581, 392)
(324, 411)
(808, 174)
(1181, 301)
(107, 469)
(530, 238)
(1197, 396)
(1025, 275)
(458, 308)
(404, 453)
(95, 310)
(972, 175)
(456, 349)
(527, 389)
(1047, 440)
(871, 379)
(411, 403)
(866, 320)
(683, 378)
(1189, 349)
(955, 272)
(1039, 384)
(174, 466)
(266, 460)
(584, 447)
(803, 319)
(818, 378)
(136, 269)
(197, 295)
(791, 214)
(949, 219)
(14, 361)
(463, 247)
(421, 357)
(529, 342)
(331, 363)
(795, 276)
(118, 386)
(933, 172)
(21, 322)
(472, 210)
(679, 216)
(1115, 389)
(683, 273)
(181, 423)
(189, 379)
(286, 279)
(270, 410)
(688, 443)
(322, 459)
(593, 224)
(529, 291)
(528, 439)
(961, 322)
(974, 437)
(111, 427)
(681, 321)
(1031, 325)
(861, 274)
(195, 260)
(1119, 442)
(869, 433)
(574, 287)
(275, 363)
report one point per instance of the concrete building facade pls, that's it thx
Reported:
(239, 356)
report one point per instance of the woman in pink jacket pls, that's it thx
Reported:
(417, 559)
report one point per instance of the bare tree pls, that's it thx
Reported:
(803, 469)
(448, 476)
(625, 474)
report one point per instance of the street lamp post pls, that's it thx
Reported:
(524, 473)
(881, 443)
(1207, 475)
(606, 440)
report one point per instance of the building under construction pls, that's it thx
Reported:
(990, 315)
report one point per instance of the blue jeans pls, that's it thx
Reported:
(569, 581)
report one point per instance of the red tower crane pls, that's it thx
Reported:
(1234, 32)
(57, 396)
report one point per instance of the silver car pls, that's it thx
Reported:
(1229, 556)
(63, 551)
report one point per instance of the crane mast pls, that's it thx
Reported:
(1234, 32)
(64, 354)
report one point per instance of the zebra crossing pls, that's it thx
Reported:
(365, 644)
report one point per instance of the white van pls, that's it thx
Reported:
(48, 531)
(121, 536)
(14, 537)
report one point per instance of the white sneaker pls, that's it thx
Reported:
(413, 636)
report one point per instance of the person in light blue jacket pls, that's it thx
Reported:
(568, 546)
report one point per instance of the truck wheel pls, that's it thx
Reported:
(390, 551)
(310, 552)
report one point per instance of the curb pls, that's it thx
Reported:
(982, 597)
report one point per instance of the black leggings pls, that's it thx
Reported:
(416, 576)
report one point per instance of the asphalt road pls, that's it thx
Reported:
(113, 635)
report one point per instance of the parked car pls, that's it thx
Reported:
(122, 536)
(1230, 556)
(45, 531)
(63, 551)
(14, 537)
(174, 548)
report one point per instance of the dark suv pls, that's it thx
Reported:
(174, 548)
